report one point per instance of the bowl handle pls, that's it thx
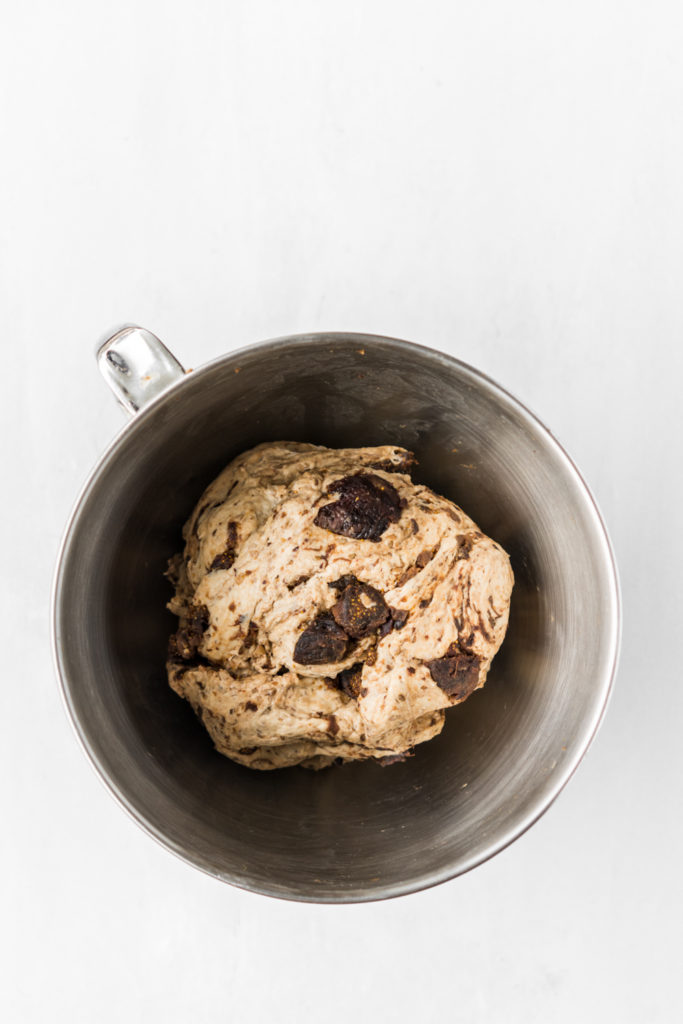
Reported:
(137, 367)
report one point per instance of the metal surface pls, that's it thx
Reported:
(137, 367)
(356, 832)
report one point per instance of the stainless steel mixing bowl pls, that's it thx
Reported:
(361, 831)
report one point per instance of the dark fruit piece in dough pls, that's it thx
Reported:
(183, 645)
(360, 610)
(349, 681)
(367, 504)
(225, 559)
(323, 641)
(457, 674)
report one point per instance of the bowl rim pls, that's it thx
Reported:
(603, 690)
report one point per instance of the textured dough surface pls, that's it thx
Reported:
(257, 571)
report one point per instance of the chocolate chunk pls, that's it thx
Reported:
(367, 504)
(225, 559)
(349, 681)
(360, 610)
(282, 671)
(321, 642)
(457, 674)
(183, 645)
(250, 706)
(424, 558)
(332, 725)
(413, 525)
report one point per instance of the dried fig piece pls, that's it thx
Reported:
(343, 581)
(464, 546)
(407, 575)
(425, 557)
(299, 581)
(251, 636)
(457, 673)
(349, 681)
(183, 644)
(360, 610)
(322, 642)
(399, 617)
(225, 559)
(404, 463)
(397, 621)
(367, 504)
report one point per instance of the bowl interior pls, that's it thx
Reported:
(358, 831)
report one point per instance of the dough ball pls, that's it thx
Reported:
(331, 609)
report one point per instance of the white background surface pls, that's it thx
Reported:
(503, 181)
